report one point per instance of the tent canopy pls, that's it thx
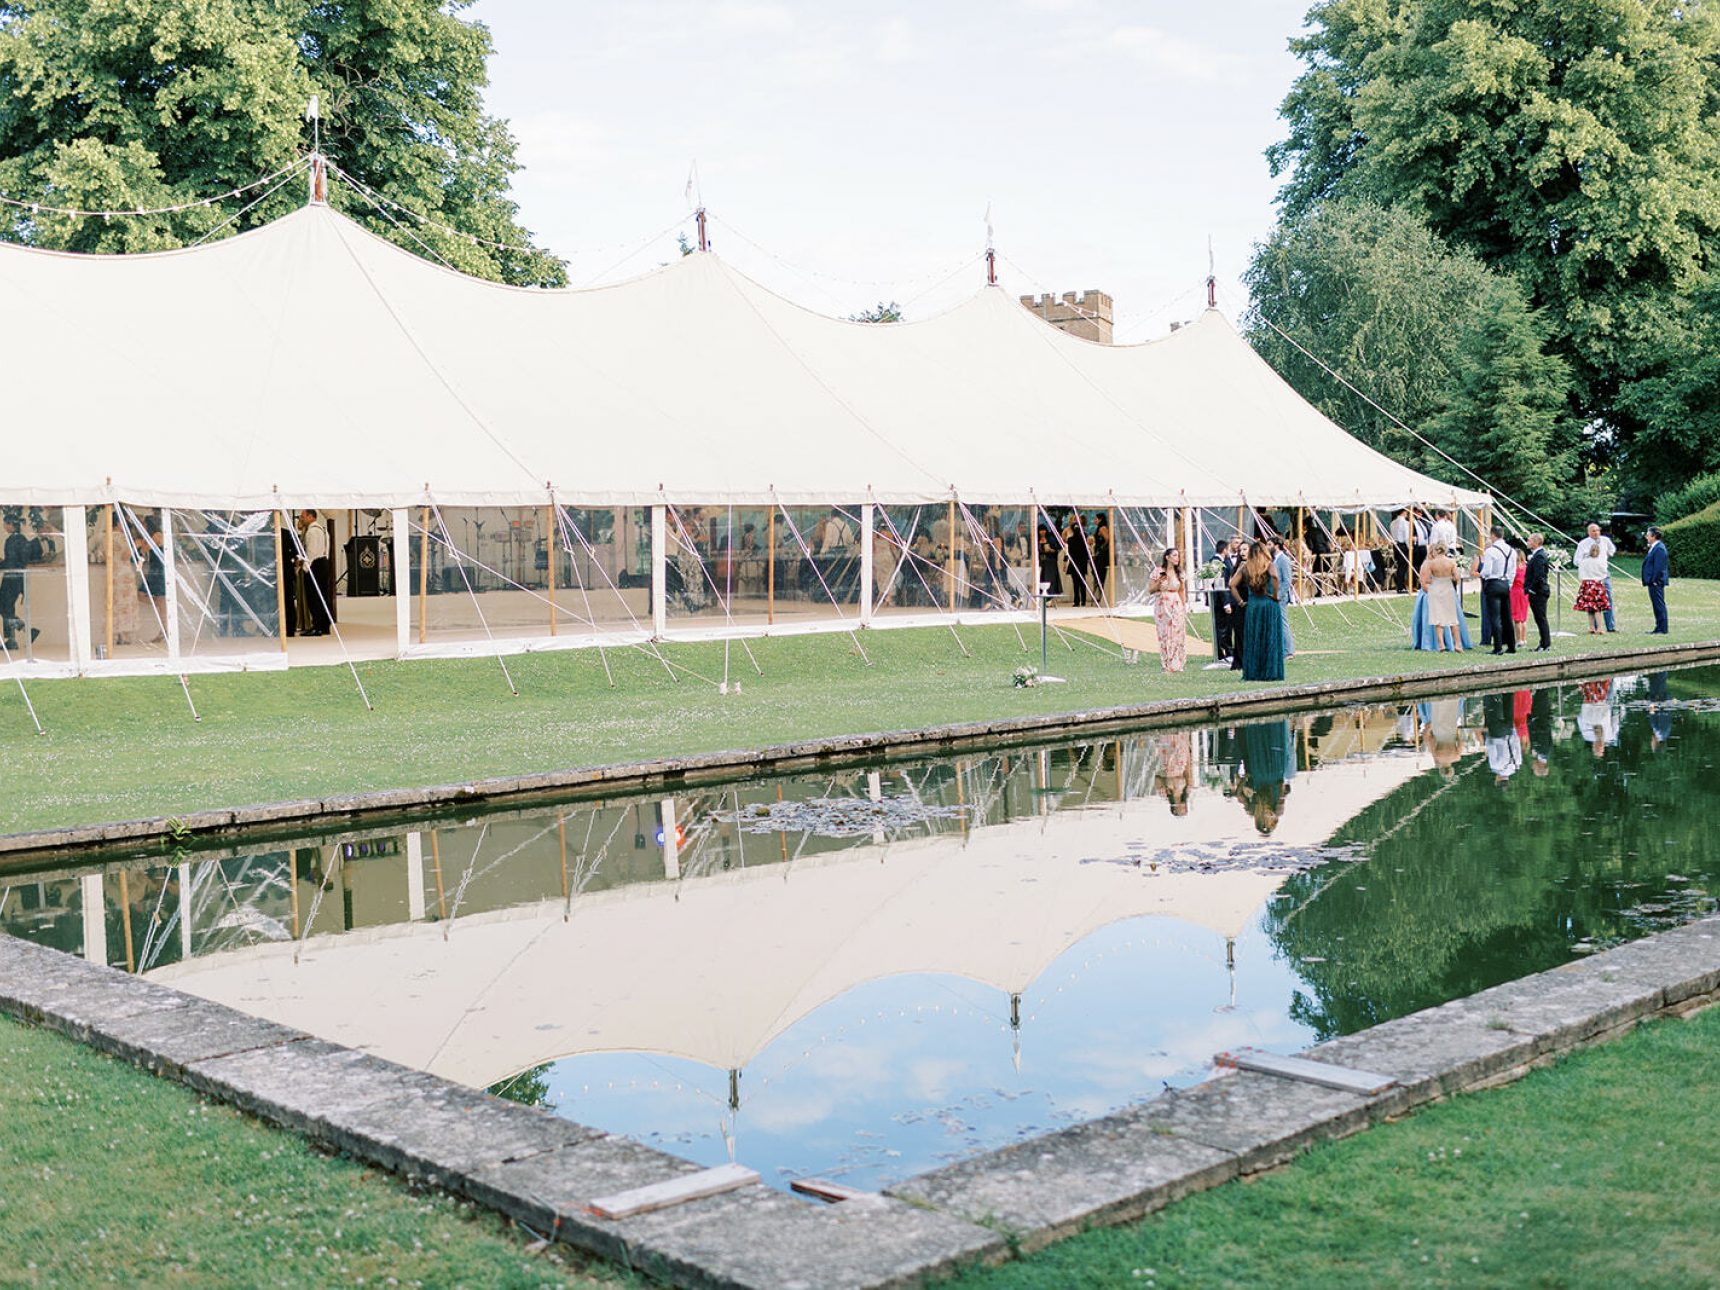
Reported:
(310, 362)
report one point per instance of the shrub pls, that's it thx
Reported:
(1701, 492)
(1694, 544)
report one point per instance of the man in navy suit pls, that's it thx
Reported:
(1654, 577)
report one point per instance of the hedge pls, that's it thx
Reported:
(1687, 499)
(1694, 544)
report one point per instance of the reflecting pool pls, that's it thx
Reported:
(861, 975)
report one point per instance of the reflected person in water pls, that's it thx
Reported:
(1504, 746)
(1268, 763)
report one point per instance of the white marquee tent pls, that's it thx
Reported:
(309, 363)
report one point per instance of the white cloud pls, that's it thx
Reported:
(753, 15)
(553, 140)
(1173, 56)
(899, 42)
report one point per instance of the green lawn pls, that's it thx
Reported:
(127, 748)
(110, 1175)
(1601, 1171)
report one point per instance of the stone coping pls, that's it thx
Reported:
(404, 804)
(543, 1170)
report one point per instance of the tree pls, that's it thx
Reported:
(1506, 416)
(1429, 334)
(143, 104)
(1572, 143)
(1675, 397)
(879, 313)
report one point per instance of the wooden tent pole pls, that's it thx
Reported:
(549, 552)
(1111, 575)
(1301, 593)
(951, 557)
(424, 576)
(770, 567)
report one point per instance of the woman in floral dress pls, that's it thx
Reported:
(1170, 610)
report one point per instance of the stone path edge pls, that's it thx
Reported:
(542, 1170)
(827, 752)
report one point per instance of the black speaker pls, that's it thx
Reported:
(364, 565)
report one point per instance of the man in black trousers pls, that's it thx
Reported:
(1226, 613)
(1498, 568)
(1535, 586)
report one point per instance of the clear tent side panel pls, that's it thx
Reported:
(127, 582)
(226, 577)
(33, 584)
(718, 564)
(952, 557)
(480, 573)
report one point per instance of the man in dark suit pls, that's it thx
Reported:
(1655, 576)
(1536, 588)
(1228, 612)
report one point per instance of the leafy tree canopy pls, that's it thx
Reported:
(141, 104)
(1429, 333)
(1572, 143)
(882, 312)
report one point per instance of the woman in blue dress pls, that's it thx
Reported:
(1263, 619)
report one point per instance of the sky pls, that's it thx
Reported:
(849, 153)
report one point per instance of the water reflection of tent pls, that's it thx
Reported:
(714, 968)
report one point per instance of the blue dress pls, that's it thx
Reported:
(1263, 637)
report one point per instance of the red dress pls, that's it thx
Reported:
(1519, 597)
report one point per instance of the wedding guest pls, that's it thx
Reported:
(1439, 580)
(1519, 596)
(1263, 621)
(1537, 589)
(1170, 610)
(1596, 544)
(1655, 576)
(1593, 598)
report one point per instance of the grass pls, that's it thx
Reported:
(1603, 1171)
(126, 748)
(114, 1176)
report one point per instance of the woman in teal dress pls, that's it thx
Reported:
(1263, 619)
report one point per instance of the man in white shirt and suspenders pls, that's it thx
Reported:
(1497, 568)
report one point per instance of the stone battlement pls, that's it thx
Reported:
(1086, 314)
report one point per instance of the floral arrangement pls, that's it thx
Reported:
(1025, 677)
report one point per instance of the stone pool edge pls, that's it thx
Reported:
(823, 753)
(542, 1170)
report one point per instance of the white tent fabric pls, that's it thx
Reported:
(311, 363)
(714, 968)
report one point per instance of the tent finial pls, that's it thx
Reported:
(704, 242)
(990, 250)
(319, 180)
(1211, 277)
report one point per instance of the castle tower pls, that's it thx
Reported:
(1087, 315)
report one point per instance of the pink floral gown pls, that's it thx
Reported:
(1170, 618)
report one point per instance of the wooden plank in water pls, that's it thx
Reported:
(822, 1189)
(676, 1191)
(1324, 1074)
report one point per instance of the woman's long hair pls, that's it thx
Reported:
(1165, 559)
(1257, 569)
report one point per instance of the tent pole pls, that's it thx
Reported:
(951, 557)
(770, 569)
(549, 553)
(125, 921)
(659, 571)
(867, 573)
(1111, 573)
(107, 522)
(423, 574)
(280, 588)
(1301, 592)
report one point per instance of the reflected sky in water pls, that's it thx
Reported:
(864, 974)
